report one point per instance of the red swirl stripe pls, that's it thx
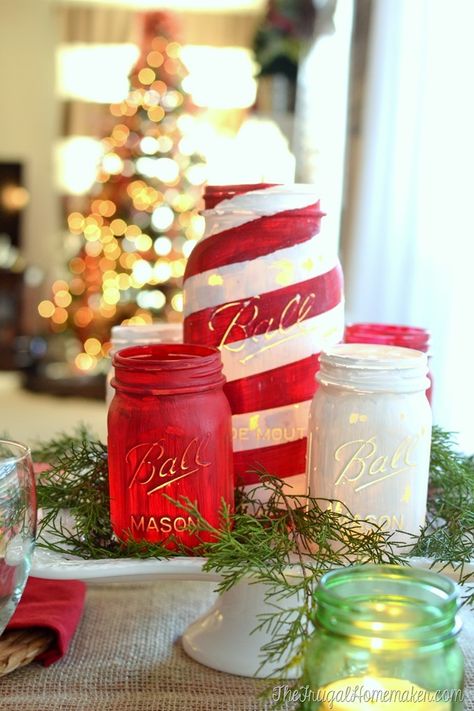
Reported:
(214, 194)
(262, 314)
(255, 239)
(264, 390)
(281, 460)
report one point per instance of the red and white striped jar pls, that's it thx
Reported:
(265, 286)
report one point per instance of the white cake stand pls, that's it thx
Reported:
(224, 638)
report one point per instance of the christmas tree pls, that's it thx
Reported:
(141, 220)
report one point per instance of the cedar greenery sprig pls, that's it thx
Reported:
(265, 535)
(448, 537)
(73, 495)
(286, 543)
(256, 535)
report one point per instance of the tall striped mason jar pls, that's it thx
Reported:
(264, 285)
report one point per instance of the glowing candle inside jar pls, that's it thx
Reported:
(384, 623)
(379, 694)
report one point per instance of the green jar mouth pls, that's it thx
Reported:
(385, 606)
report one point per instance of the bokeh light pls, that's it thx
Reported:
(162, 218)
(177, 302)
(128, 242)
(163, 246)
(46, 308)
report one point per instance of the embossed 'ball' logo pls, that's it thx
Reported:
(363, 466)
(235, 322)
(154, 467)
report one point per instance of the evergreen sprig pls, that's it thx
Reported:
(448, 537)
(286, 543)
(73, 495)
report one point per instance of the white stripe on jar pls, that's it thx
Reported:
(262, 275)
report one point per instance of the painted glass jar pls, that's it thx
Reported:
(385, 637)
(370, 434)
(264, 285)
(169, 436)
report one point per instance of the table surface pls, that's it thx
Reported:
(30, 417)
(127, 656)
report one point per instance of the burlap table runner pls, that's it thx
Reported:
(126, 656)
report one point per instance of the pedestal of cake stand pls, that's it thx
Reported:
(225, 638)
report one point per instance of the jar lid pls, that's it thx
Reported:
(374, 367)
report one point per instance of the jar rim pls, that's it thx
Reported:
(167, 356)
(372, 356)
(390, 327)
(167, 368)
(237, 188)
(19, 451)
(373, 367)
(222, 199)
(376, 596)
(388, 334)
(333, 578)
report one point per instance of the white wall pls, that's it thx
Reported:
(28, 126)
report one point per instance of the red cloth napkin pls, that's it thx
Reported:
(52, 604)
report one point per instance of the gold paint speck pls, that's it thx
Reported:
(215, 280)
(407, 494)
(253, 422)
(357, 417)
(286, 272)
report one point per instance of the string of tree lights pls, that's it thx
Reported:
(141, 221)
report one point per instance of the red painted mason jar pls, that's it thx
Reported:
(169, 435)
(392, 335)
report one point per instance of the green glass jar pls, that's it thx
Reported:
(385, 638)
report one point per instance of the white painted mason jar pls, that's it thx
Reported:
(370, 434)
(139, 335)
